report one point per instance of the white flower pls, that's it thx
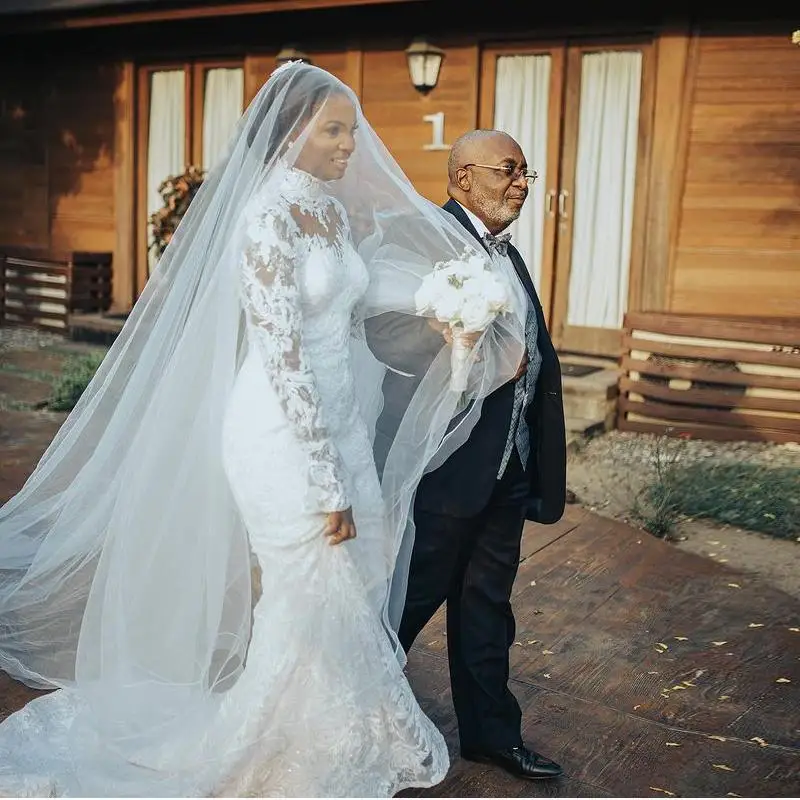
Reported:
(463, 292)
(476, 315)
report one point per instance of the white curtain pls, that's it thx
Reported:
(522, 95)
(604, 187)
(222, 107)
(167, 136)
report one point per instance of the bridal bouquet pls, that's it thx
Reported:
(467, 295)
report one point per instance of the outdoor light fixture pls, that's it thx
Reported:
(424, 63)
(291, 53)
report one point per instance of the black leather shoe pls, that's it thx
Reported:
(519, 761)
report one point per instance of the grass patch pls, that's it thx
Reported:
(756, 497)
(76, 375)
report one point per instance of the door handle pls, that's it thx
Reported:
(549, 197)
(562, 204)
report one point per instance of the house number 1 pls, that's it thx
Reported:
(437, 131)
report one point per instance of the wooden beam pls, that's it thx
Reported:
(124, 264)
(64, 22)
(674, 83)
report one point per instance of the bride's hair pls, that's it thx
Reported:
(297, 94)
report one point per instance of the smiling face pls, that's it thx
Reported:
(331, 140)
(491, 194)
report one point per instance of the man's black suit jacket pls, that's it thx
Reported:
(462, 485)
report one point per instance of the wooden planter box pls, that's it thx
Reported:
(713, 378)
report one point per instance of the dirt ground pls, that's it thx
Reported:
(606, 472)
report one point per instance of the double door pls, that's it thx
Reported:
(582, 115)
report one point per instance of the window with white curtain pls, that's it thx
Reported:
(222, 107)
(166, 141)
(605, 179)
(522, 95)
(193, 109)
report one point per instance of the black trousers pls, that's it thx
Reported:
(472, 563)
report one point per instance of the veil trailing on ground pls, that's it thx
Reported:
(125, 572)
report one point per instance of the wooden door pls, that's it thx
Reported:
(535, 232)
(191, 131)
(589, 213)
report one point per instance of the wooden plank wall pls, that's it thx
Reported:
(396, 110)
(57, 179)
(737, 250)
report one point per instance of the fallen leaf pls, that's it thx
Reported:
(734, 586)
(436, 641)
(732, 794)
(714, 542)
(518, 644)
(661, 644)
(653, 673)
(759, 740)
(795, 630)
(663, 791)
(718, 738)
(681, 638)
(783, 680)
(547, 653)
(723, 767)
(688, 683)
(724, 697)
(718, 644)
(711, 555)
(698, 673)
(756, 625)
(533, 583)
(533, 641)
(722, 560)
(547, 674)
(677, 686)
(672, 744)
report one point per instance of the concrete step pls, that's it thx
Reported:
(591, 396)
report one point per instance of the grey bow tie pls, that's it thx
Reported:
(498, 243)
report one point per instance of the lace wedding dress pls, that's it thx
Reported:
(322, 707)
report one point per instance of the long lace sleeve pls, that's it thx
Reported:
(271, 299)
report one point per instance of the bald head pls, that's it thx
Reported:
(471, 147)
(486, 187)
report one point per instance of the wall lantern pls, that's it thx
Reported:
(291, 53)
(424, 63)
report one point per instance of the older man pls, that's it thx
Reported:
(470, 511)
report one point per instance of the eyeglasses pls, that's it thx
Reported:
(515, 173)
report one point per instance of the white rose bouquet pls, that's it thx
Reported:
(467, 295)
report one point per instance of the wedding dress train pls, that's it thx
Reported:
(322, 707)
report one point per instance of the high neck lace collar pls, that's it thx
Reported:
(298, 182)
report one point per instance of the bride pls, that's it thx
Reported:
(229, 435)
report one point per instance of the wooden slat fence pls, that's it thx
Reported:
(41, 289)
(713, 378)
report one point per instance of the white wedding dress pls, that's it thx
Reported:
(322, 707)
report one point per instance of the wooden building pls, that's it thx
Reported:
(668, 142)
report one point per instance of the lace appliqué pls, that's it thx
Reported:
(271, 298)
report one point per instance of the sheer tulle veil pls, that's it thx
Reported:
(125, 570)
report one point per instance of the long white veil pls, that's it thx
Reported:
(124, 565)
